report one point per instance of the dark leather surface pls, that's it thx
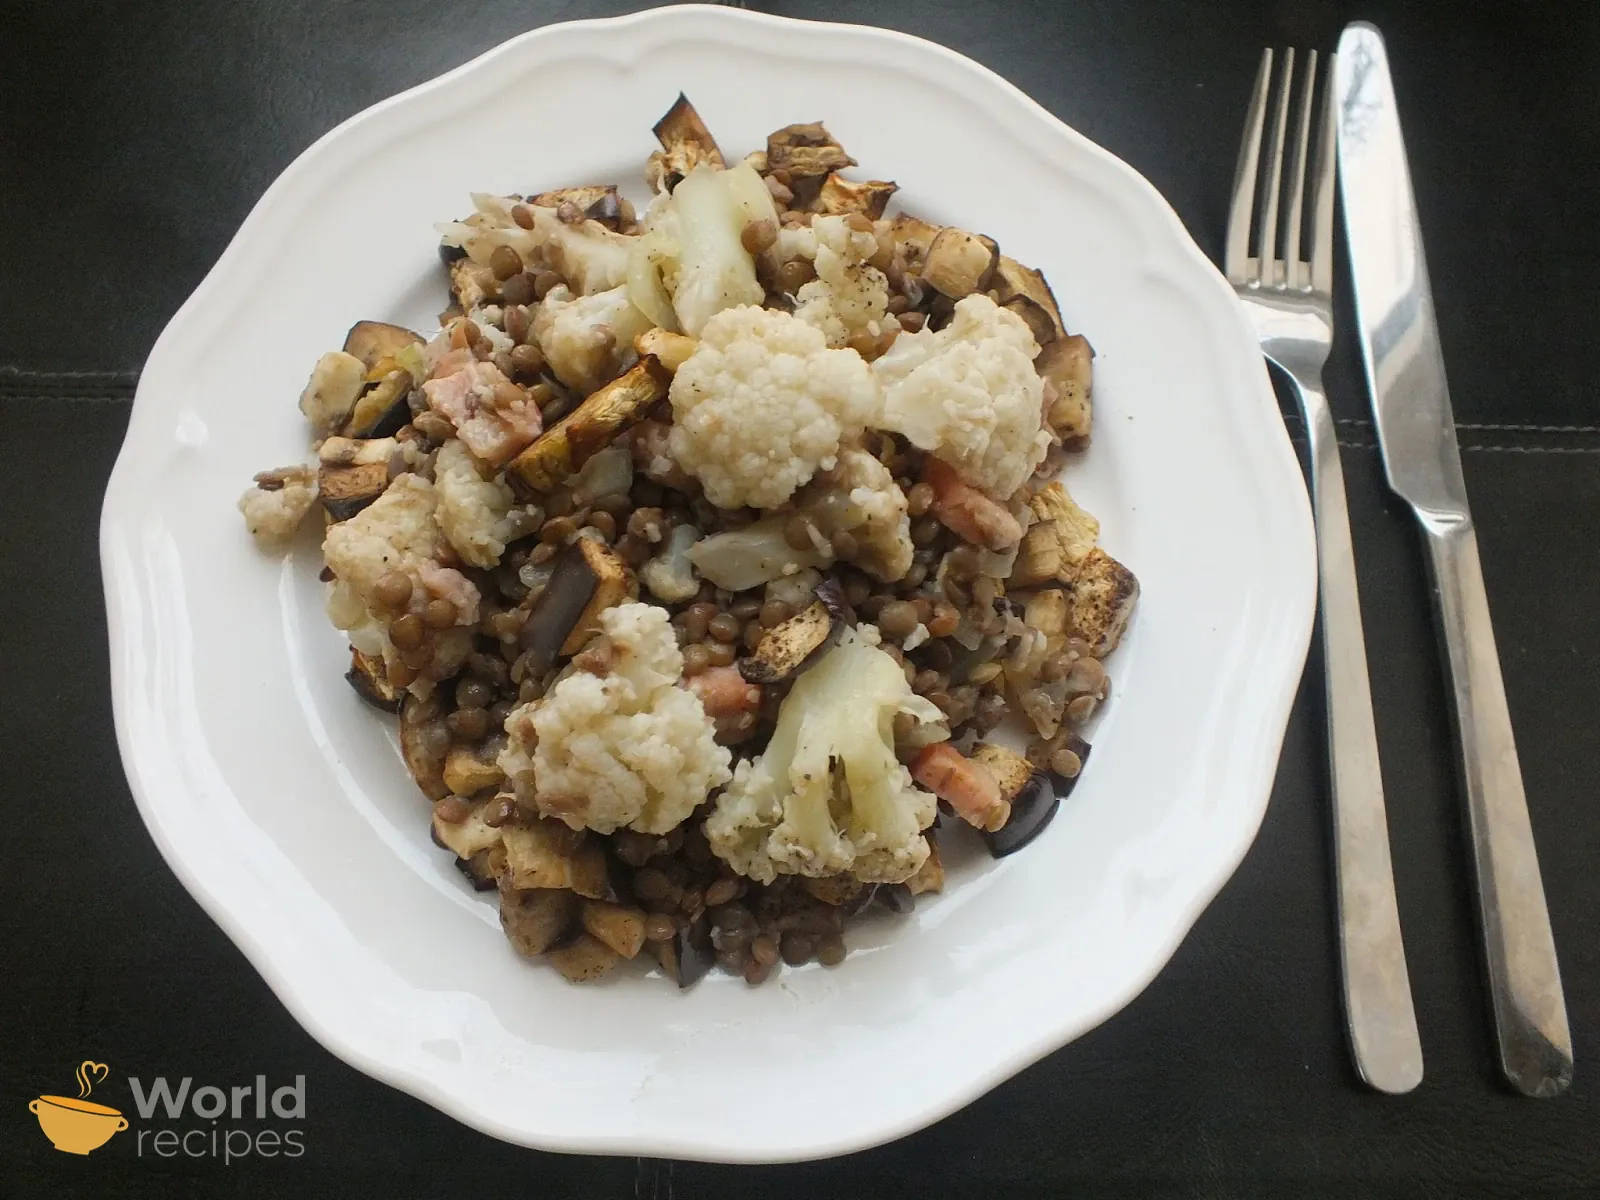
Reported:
(133, 138)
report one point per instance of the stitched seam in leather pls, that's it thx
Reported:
(23, 387)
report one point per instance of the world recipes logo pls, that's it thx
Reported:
(182, 1120)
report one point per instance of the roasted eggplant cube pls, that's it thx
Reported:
(619, 926)
(960, 263)
(534, 919)
(685, 144)
(1025, 292)
(416, 745)
(785, 648)
(582, 959)
(1010, 769)
(592, 426)
(1067, 365)
(383, 409)
(1032, 809)
(805, 150)
(371, 682)
(478, 871)
(374, 341)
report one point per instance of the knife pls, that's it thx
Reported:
(1416, 434)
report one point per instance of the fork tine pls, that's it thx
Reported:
(1267, 227)
(1322, 197)
(1236, 253)
(1295, 270)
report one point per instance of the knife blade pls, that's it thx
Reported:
(1416, 434)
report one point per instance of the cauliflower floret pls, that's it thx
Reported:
(629, 747)
(860, 497)
(763, 404)
(795, 241)
(331, 392)
(398, 532)
(587, 255)
(472, 511)
(848, 297)
(274, 507)
(970, 395)
(493, 416)
(587, 340)
(828, 795)
(714, 271)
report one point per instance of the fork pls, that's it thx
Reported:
(1289, 300)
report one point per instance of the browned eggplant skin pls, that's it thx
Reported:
(786, 648)
(366, 677)
(562, 449)
(1034, 807)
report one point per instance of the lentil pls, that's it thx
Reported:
(651, 884)
(984, 673)
(764, 950)
(774, 612)
(722, 654)
(522, 215)
(439, 614)
(696, 659)
(830, 951)
(795, 274)
(393, 590)
(897, 619)
(1065, 763)
(797, 531)
(758, 236)
(721, 892)
(518, 289)
(435, 739)
(469, 724)
(658, 927)
(505, 262)
(406, 632)
(558, 529)
(526, 362)
(724, 627)
(796, 948)
(473, 693)
(1081, 709)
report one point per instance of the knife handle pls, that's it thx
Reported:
(1519, 950)
(1377, 988)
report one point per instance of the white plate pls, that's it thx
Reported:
(280, 800)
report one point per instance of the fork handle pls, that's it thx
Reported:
(1519, 950)
(1377, 988)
